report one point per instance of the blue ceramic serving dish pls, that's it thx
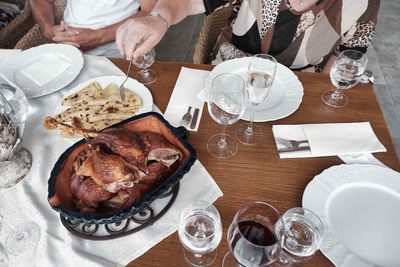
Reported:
(60, 196)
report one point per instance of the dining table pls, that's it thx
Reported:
(257, 172)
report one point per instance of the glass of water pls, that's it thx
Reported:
(146, 76)
(226, 104)
(346, 72)
(260, 77)
(303, 232)
(200, 232)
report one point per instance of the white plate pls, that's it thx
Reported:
(359, 206)
(44, 69)
(284, 98)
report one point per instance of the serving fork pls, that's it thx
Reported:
(290, 143)
(186, 118)
(122, 87)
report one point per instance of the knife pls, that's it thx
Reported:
(293, 149)
(194, 119)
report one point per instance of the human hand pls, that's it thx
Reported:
(84, 38)
(53, 31)
(137, 36)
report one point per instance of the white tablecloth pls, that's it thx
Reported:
(27, 201)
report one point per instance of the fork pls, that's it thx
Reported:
(186, 118)
(121, 87)
(290, 143)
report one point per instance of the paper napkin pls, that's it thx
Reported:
(190, 82)
(329, 139)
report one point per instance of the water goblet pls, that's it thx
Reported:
(200, 232)
(303, 232)
(345, 73)
(252, 238)
(13, 111)
(21, 239)
(225, 104)
(260, 77)
(146, 76)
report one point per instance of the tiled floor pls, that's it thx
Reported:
(384, 58)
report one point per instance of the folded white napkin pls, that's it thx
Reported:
(48, 67)
(190, 82)
(329, 139)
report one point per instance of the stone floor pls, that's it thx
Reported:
(384, 58)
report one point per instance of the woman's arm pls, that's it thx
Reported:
(148, 31)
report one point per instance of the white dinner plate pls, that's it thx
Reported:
(284, 98)
(43, 69)
(359, 206)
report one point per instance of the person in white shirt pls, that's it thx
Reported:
(90, 25)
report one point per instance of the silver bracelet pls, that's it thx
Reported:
(158, 15)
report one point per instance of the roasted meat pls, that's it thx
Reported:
(109, 171)
(106, 175)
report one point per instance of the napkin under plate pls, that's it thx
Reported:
(329, 139)
(189, 84)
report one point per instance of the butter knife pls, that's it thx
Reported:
(293, 149)
(194, 119)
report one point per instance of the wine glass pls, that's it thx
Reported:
(200, 232)
(225, 104)
(22, 239)
(346, 72)
(146, 76)
(260, 77)
(303, 232)
(16, 162)
(252, 238)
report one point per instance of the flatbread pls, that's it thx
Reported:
(90, 90)
(94, 108)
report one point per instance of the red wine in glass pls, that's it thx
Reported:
(251, 236)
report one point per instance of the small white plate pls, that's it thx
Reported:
(284, 98)
(43, 69)
(359, 206)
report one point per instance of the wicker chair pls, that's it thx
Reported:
(35, 36)
(212, 27)
(18, 27)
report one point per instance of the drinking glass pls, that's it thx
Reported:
(21, 239)
(260, 77)
(146, 76)
(200, 232)
(346, 72)
(15, 161)
(226, 104)
(303, 232)
(252, 238)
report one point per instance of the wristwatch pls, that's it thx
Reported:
(158, 15)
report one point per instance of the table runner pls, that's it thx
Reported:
(27, 201)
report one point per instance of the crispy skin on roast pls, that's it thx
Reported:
(120, 167)
(124, 143)
(87, 190)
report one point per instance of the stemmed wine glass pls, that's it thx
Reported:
(346, 72)
(146, 76)
(23, 238)
(260, 77)
(200, 232)
(303, 232)
(225, 104)
(16, 161)
(252, 238)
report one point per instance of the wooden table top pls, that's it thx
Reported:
(257, 172)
